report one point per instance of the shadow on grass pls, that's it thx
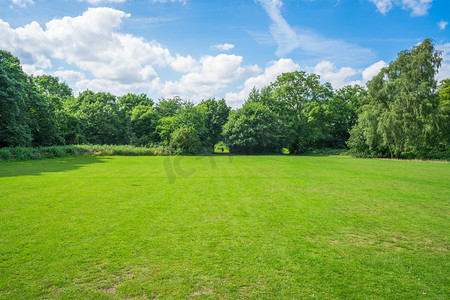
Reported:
(38, 167)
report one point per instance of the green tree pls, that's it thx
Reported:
(164, 129)
(57, 94)
(14, 130)
(143, 123)
(169, 107)
(216, 114)
(296, 98)
(129, 101)
(254, 128)
(444, 110)
(187, 117)
(342, 114)
(51, 86)
(402, 109)
(41, 118)
(99, 118)
(125, 106)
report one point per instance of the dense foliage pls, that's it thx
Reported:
(403, 112)
(254, 128)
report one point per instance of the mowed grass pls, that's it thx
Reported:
(224, 227)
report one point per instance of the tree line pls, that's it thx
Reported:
(402, 110)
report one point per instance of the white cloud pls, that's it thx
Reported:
(90, 43)
(110, 86)
(282, 32)
(330, 73)
(69, 75)
(373, 70)
(307, 40)
(417, 7)
(102, 1)
(383, 6)
(22, 3)
(183, 63)
(442, 24)
(273, 69)
(224, 47)
(338, 77)
(208, 77)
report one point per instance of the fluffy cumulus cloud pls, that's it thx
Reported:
(90, 43)
(183, 63)
(69, 75)
(417, 7)
(372, 70)
(224, 47)
(339, 77)
(270, 74)
(310, 42)
(330, 73)
(210, 75)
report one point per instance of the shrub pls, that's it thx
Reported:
(28, 153)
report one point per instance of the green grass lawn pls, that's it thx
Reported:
(224, 227)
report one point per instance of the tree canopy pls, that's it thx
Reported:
(403, 110)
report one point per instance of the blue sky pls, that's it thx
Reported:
(198, 49)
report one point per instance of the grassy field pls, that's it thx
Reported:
(224, 227)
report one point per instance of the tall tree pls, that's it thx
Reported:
(57, 94)
(42, 118)
(216, 115)
(402, 109)
(14, 130)
(100, 121)
(125, 108)
(143, 123)
(289, 96)
(444, 109)
(342, 114)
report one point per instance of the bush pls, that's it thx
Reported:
(28, 153)
(327, 151)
